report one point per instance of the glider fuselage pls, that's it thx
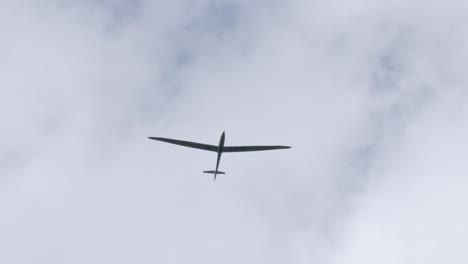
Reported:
(220, 151)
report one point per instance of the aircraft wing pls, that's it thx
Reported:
(187, 143)
(252, 148)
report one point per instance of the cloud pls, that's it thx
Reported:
(413, 209)
(370, 95)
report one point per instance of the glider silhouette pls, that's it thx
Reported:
(219, 149)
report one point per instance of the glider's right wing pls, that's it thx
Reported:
(187, 143)
(252, 148)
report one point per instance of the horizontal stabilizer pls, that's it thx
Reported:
(214, 172)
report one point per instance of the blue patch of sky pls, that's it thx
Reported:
(216, 18)
(192, 40)
(205, 28)
(120, 12)
(387, 122)
(203, 31)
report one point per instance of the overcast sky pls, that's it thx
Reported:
(371, 95)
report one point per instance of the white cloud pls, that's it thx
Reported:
(370, 95)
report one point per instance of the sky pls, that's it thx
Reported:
(371, 95)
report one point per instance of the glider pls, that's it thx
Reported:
(219, 149)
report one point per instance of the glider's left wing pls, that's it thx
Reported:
(187, 143)
(252, 148)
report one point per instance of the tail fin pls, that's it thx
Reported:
(214, 172)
